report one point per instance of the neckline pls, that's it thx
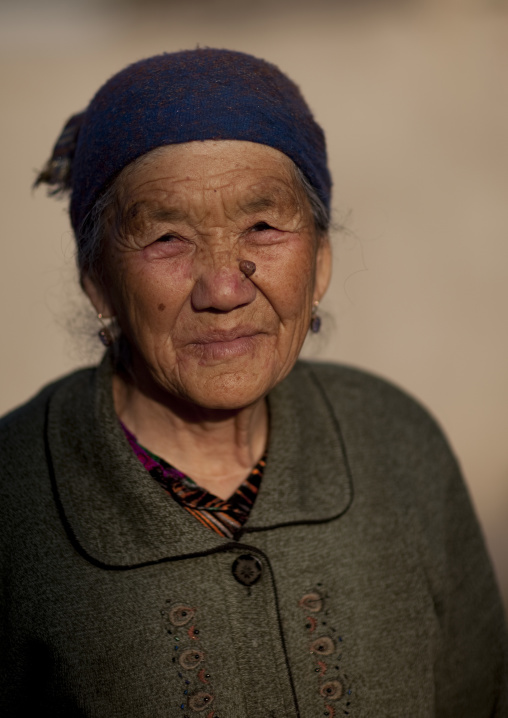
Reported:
(178, 483)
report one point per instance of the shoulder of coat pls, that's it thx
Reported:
(353, 390)
(22, 420)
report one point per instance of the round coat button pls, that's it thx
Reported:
(247, 569)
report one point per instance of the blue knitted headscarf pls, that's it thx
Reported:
(202, 94)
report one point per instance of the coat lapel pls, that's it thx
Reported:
(307, 477)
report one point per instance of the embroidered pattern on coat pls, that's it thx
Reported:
(325, 645)
(189, 659)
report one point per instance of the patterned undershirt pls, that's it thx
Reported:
(224, 516)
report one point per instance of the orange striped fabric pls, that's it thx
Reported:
(224, 516)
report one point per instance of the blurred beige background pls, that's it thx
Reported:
(413, 97)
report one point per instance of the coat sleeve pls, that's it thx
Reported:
(471, 673)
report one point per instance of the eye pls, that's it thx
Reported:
(261, 226)
(165, 246)
(263, 234)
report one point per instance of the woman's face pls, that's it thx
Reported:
(185, 217)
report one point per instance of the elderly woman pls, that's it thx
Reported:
(202, 524)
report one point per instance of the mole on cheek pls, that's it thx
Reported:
(161, 307)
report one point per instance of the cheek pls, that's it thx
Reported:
(149, 294)
(286, 277)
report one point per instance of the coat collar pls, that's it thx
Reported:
(118, 517)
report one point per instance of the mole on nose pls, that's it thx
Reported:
(247, 267)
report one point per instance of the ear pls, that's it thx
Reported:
(97, 295)
(323, 267)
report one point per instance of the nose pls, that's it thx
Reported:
(222, 289)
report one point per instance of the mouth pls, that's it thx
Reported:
(219, 344)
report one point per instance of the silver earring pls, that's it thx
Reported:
(315, 319)
(104, 333)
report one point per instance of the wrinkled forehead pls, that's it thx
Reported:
(177, 182)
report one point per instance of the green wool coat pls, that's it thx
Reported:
(359, 587)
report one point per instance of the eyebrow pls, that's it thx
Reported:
(258, 205)
(174, 214)
(165, 214)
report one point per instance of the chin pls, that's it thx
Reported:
(229, 392)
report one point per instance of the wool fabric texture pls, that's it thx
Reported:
(202, 94)
(375, 599)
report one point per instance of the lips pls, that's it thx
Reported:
(213, 336)
(222, 344)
